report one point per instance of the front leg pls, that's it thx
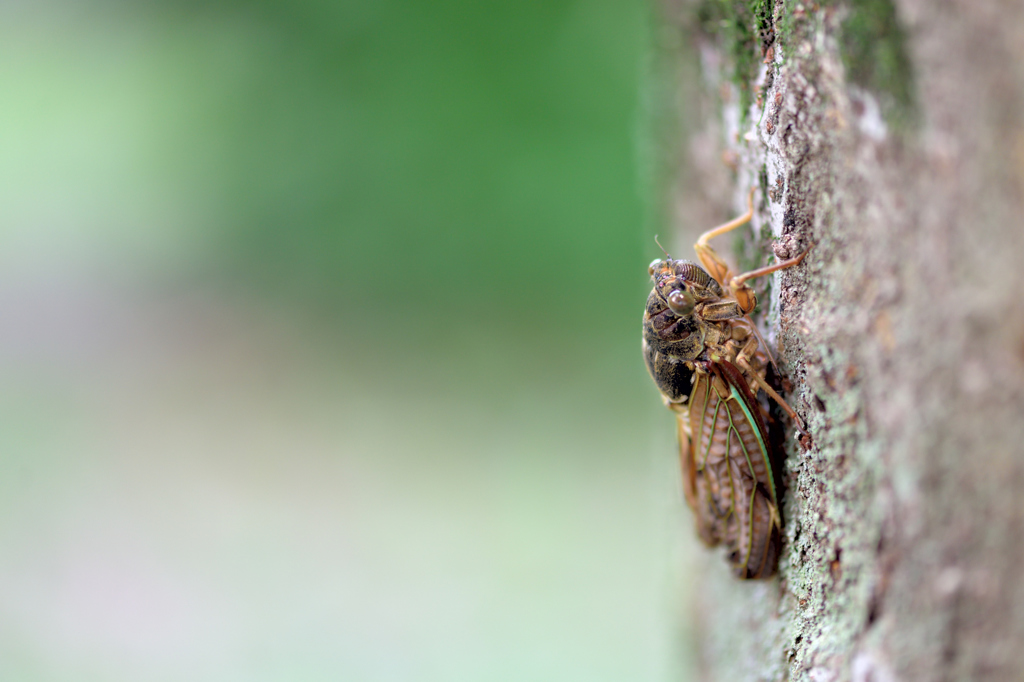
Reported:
(720, 310)
(742, 291)
(718, 268)
(709, 258)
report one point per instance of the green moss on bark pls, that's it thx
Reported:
(746, 29)
(873, 49)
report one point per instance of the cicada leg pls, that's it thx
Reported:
(744, 364)
(737, 285)
(719, 269)
(709, 258)
(742, 361)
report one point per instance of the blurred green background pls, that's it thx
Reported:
(319, 345)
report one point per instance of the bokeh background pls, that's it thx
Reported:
(319, 344)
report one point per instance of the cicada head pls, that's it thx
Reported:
(682, 284)
(673, 334)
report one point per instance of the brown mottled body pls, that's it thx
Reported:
(704, 354)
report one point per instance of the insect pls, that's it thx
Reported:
(709, 362)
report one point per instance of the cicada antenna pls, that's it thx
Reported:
(661, 247)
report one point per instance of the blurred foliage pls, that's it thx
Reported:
(446, 177)
(323, 343)
(434, 165)
(397, 170)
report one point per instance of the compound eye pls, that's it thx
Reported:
(654, 267)
(680, 302)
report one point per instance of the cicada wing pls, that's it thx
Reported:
(686, 463)
(760, 450)
(733, 478)
(694, 484)
(705, 489)
(762, 539)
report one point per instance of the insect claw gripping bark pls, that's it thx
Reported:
(709, 362)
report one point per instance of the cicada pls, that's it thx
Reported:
(709, 362)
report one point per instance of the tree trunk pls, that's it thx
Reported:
(889, 137)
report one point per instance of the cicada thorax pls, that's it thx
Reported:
(730, 469)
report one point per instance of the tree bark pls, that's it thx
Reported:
(890, 139)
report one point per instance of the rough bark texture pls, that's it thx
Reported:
(900, 158)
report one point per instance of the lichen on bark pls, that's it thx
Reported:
(888, 137)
